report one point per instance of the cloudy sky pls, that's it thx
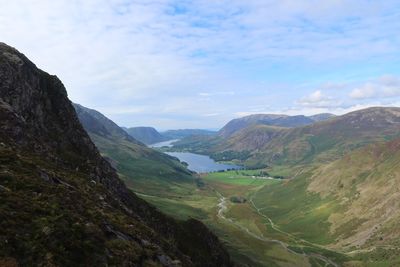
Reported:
(198, 64)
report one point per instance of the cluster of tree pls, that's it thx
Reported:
(237, 199)
(230, 155)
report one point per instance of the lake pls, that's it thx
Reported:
(200, 163)
(162, 144)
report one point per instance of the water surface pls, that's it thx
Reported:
(165, 143)
(201, 163)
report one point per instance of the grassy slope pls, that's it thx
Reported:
(297, 211)
(145, 170)
(350, 204)
(366, 182)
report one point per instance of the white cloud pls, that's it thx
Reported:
(385, 87)
(146, 58)
(319, 100)
(223, 93)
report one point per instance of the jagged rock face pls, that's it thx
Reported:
(41, 102)
(62, 204)
(47, 117)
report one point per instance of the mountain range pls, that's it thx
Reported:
(236, 125)
(149, 135)
(261, 144)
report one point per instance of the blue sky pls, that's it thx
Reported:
(198, 64)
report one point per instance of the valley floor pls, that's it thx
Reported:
(231, 205)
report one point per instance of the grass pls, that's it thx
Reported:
(296, 211)
(175, 208)
(145, 170)
(242, 177)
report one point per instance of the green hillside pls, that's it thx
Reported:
(349, 205)
(143, 169)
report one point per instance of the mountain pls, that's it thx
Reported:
(329, 140)
(182, 133)
(241, 123)
(264, 119)
(62, 204)
(143, 169)
(321, 117)
(96, 123)
(146, 135)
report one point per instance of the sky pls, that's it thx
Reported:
(198, 64)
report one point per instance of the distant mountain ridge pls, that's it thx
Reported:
(326, 140)
(271, 120)
(146, 135)
(149, 135)
(330, 139)
(322, 117)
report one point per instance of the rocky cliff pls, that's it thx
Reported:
(61, 203)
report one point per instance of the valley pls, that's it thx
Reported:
(243, 225)
(279, 215)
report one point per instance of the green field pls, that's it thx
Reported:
(242, 177)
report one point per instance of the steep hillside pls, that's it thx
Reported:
(146, 135)
(253, 138)
(61, 203)
(366, 183)
(349, 205)
(96, 123)
(143, 169)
